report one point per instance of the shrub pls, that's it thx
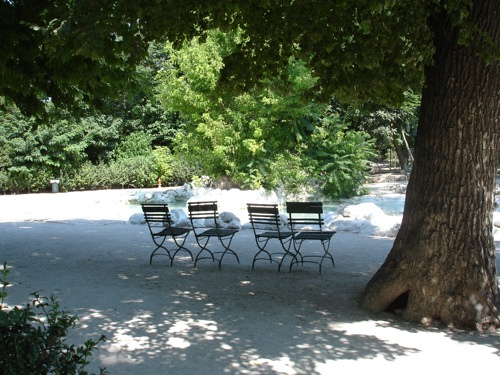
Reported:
(162, 163)
(290, 173)
(33, 338)
(135, 144)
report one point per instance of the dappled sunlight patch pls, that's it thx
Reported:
(281, 365)
(178, 342)
(225, 346)
(133, 301)
(197, 296)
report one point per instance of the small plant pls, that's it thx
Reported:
(33, 338)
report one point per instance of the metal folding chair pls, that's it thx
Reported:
(161, 227)
(306, 222)
(267, 225)
(204, 220)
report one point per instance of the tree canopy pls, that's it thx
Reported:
(70, 50)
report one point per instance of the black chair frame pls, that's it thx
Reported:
(160, 225)
(306, 222)
(199, 214)
(267, 216)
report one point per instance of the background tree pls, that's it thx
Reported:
(394, 129)
(244, 137)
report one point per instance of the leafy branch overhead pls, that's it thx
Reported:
(67, 51)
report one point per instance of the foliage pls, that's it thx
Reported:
(136, 144)
(84, 50)
(389, 127)
(340, 157)
(32, 156)
(162, 166)
(33, 337)
(184, 168)
(361, 50)
(291, 173)
(254, 138)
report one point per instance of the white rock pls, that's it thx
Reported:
(229, 220)
(177, 215)
(137, 219)
(362, 211)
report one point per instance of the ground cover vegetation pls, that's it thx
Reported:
(442, 265)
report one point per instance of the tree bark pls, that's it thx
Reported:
(402, 159)
(443, 258)
(405, 141)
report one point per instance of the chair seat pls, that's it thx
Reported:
(214, 232)
(314, 235)
(280, 235)
(172, 231)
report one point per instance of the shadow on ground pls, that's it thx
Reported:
(185, 320)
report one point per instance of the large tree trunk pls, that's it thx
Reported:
(443, 258)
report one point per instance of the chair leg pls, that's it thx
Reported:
(180, 246)
(326, 247)
(158, 247)
(298, 257)
(203, 247)
(227, 249)
(262, 250)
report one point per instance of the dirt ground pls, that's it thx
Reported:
(184, 320)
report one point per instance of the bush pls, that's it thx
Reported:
(341, 158)
(162, 163)
(133, 145)
(33, 338)
(290, 173)
(184, 168)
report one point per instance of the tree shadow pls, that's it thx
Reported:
(235, 320)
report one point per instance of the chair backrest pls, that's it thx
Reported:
(157, 213)
(265, 216)
(303, 214)
(202, 211)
